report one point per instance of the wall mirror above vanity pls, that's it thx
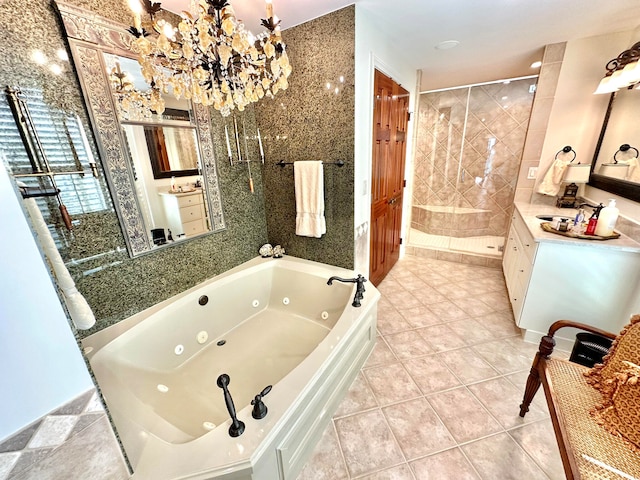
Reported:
(615, 166)
(160, 167)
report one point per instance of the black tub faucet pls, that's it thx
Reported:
(359, 289)
(237, 427)
(259, 408)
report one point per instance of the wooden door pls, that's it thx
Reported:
(390, 117)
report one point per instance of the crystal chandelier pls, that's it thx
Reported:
(131, 103)
(209, 57)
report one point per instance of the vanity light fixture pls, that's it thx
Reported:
(622, 72)
(209, 57)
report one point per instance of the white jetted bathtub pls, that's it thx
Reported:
(267, 322)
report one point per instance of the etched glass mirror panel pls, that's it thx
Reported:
(160, 166)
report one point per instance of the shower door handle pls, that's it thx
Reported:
(462, 177)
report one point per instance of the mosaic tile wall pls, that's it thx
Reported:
(127, 285)
(310, 121)
(483, 182)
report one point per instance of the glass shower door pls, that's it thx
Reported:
(469, 146)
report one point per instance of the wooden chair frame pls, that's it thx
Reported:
(538, 376)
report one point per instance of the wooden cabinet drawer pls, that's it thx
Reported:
(189, 214)
(188, 200)
(194, 228)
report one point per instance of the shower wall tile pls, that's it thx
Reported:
(128, 285)
(310, 122)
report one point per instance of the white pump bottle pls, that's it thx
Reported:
(607, 220)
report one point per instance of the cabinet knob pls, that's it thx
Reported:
(515, 249)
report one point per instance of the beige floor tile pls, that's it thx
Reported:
(391, 383)
(381, 354)
(467, 365)
(450, 464)
(417, 428)
(430, 374)
(401, 472)
(500, 323)
(326, 463)
(441, 337)
(539, 441)
(420, 316)
(502, 399)
(498, 300)
(452, 290)
(392, 322)
(471, 331)
(408, 345)
(448, 311)
(463, 415)
(473, 306)
(367, 443)
(359, 398)
(504, 357)
(500, 457)
(404, 299)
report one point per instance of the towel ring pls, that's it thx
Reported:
(567, 149)
(624, 148)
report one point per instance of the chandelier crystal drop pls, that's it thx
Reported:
(209, 57)
(133, 104)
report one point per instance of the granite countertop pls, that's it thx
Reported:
(528, 213)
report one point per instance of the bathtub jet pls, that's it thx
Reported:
(359, 289)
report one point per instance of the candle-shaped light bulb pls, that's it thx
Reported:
(260, 145)
(226, 133)
(269, 8)
(167, 29)
(136, 8)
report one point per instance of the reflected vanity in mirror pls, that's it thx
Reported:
(160, 166)
(615, 166)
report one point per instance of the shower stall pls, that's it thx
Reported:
(468, 150)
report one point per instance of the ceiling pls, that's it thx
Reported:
(499, 39)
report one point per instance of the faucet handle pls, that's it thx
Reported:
(259, 408)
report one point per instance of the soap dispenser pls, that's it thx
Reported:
(607, 220)
(593, 220)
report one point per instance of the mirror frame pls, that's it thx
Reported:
(622, 188)
(89, 36)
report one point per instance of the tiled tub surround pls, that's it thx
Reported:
(468, 150)
(310, 122)
(267, 322)
(75, 441)
(127, 285)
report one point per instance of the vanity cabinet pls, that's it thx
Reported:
(185, 213)
(517, 263)
(550, 277)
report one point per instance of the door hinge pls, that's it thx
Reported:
(404, 183)
(400, 241)
(408, 116)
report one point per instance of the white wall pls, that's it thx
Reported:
(40, 363)
(375, 50)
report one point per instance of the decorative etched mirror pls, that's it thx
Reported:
(615, 166)
(160, 168)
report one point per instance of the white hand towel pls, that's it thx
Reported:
(552, 180)
(79, 310)
(309, 189)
